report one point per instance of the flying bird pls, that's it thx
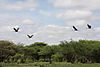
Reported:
(89, 26)
(30, 36)
(16, 29)
(75, 28)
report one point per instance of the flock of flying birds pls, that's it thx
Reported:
(17, 30)
(30, 36)
(89, 27)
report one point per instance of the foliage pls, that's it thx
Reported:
(83, 51)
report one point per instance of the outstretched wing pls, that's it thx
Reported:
(30, 36)
(16, 30)
(89, 26)
(75, 28)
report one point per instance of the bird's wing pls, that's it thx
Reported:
(75, 28)
(15, 29)
(89, 26)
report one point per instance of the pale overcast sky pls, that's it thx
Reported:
(50, 21)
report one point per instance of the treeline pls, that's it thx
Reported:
(82, 51)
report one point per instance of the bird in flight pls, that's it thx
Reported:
(75, 28)
(89, 26)
(30, 36)
(16, 29)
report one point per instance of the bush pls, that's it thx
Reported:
(41, 65)
(1, 65)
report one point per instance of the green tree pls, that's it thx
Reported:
(46, 53)
(6, 49)
(32, 50)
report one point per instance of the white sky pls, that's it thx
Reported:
(50, 21)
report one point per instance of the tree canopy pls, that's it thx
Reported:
(84, 51)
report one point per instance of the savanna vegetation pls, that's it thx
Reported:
(82, 51)
(47, 64)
